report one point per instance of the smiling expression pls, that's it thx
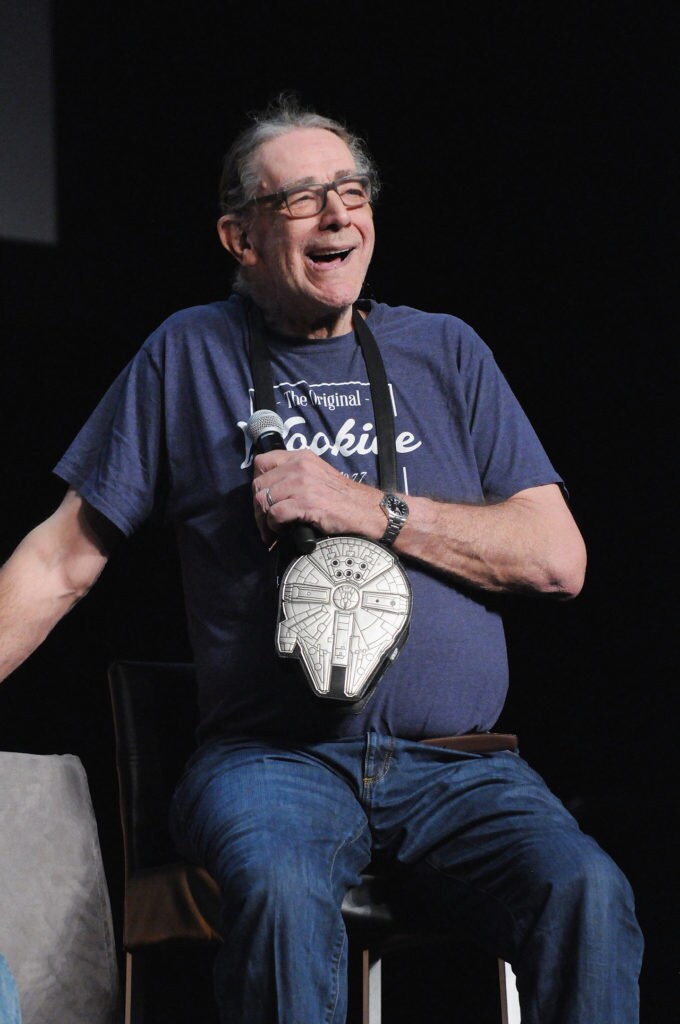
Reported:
(305, 273)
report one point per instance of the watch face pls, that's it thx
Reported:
(395, 504)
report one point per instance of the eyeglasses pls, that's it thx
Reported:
(308, 200)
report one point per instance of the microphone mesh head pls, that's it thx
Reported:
(262, 422)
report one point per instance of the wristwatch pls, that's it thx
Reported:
(396, 510)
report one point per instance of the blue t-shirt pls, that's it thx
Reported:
(168, 440)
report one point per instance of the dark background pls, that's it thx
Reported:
(529, 157)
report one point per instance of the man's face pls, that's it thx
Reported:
(307, 272)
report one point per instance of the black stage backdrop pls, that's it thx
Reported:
(529, 156)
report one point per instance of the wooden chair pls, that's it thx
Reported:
(169, 902)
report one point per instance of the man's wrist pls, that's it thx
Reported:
(396, 510)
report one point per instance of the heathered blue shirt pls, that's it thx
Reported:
(168, 440)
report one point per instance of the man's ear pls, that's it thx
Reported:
(234, 237)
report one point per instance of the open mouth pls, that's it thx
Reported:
(337, 256)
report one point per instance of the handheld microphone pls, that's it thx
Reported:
(265, 430)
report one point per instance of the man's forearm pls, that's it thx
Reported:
(25, 618)
(31, 604)
(51, 569)
(527, 543)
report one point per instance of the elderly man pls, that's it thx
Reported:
(297, 784)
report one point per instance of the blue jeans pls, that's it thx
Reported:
(480, 841)
(9, 997)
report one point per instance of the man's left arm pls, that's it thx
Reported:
(527, 542)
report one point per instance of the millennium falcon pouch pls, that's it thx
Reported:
(344, 613)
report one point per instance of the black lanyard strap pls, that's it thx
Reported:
(382, 402)
(260, 362)
(377, 379)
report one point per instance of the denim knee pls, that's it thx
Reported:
(587, 872)
(271, 875)
(587, 898)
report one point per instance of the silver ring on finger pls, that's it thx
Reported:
(268, 496)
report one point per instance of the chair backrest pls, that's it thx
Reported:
(155, 717)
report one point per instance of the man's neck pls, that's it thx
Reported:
(329, 326)
(316, 326)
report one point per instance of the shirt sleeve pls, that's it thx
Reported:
(116, 460)
(509, 455)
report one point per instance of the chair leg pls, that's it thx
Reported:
(134, 988)
(510, 1013)
(372, 988)
(365, 987)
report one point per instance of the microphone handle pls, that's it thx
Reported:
(304, 538)
(302, 535)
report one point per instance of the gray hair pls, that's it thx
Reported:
(239, 180)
